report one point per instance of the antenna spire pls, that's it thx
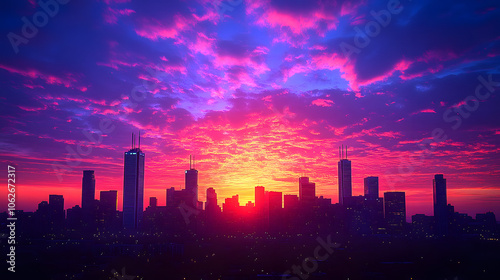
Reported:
(139, 139)
(345, 151)
(339, 154)
(132, 140)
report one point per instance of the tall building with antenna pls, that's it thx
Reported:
(345, 179)
(133, 186)
(191, 182)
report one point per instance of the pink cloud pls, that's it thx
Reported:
(68, 81)
(111, 15)
(434, 60)
(401, 66)
(335, 61)
(238, 78)
(203, 45)
(154, 29)
(322, 102)
(321, 18)
(253, 62)
(424, 111)
(461, 103)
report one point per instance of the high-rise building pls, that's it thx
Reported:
(260, 198)
(395, 209)
(88, 190)
(371, 188)
(291, 201)
(56, 203)
(231, 205)
(108, 201)
(307, 191)
(56, 206)
(153, 202)
(133, 186)
(275, 201)
(191, 184)
(345, 180)
(107, 215)
(171, 197)
(440, 202)
(211, 203)
(262, 206)
(275, 210)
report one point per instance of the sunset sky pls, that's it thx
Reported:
(261, 92)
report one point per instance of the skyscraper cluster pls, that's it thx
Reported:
(271, 210)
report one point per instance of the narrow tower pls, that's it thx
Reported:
(345, 180)
(133, 187)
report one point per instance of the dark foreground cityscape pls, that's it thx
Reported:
(277, 237)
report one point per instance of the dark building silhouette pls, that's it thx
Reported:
(153, 202)
(440, 203)
(291, 201)
(56, 204)
(133, 186)
(259, 197)
(170, 196)
(88, 190)
(211, 203)
(275, 210)
(307, 191)
(231, 205)
(106, 212)
(75, 218)
(422, 225)
(191, 184)
(275, 201)
(345, 180)
(395, 209)
(371, 188)
(108, 201)
(262, 207)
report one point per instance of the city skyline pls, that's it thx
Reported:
(306, 192)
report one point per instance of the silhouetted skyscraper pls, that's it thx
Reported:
(231, 205)
(56, 206)
(107, 215)
(262, 206)
(153, 202)
(56, 202)
(345, 180)
(275, 202)
(440, 210)
(307, 191)
(108, 201)
(88, 190)
(133, 187)
(171, 197)
(291, 201)
(259, 197)
(191, 184)
(371, 188)
(395, 208)
(211, 203)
